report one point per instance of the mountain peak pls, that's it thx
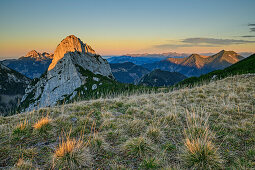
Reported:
(229, 52)
(32, 54)
(38, 56)
(70, 44)
(194, 55)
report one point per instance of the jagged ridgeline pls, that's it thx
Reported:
(244, 66)
(195, 64)
(76, 72)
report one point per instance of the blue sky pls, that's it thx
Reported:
(115, 27)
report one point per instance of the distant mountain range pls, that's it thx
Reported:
(32, 65)
(128, 72)
(140, 59)
(195, 64)
(244, 66)
(12, 88)
(158, 78)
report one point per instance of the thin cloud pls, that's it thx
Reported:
(215, 41)
(252, 29)
(248, 36)
(201, 42)
(174, 46)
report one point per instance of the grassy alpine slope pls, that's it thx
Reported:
(205, 127)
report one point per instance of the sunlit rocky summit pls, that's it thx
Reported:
(74, 65)
(70, 44)
(38, 56)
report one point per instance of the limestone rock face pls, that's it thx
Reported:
(65, 74)
(70, 44)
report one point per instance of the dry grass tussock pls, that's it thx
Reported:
(206, 127)
(199, 152)
(42, 122)
(71, 153)
(23, 164)
(22, 125)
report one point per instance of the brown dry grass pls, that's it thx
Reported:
(22, 125)
(42, 122)
(71, 153)
(67, 147)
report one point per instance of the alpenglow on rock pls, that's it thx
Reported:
(71, 62)
(70, 44)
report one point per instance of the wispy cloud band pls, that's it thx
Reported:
(248, 36)
(202, 42)
(215, 41)
(252, 27)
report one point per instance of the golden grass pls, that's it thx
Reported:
(24, 164)
(67, 147)
(201, 154)
(42, 122)
(71, 153)
(22, 125)
(199, 151)
(20, 162)
(194, 146)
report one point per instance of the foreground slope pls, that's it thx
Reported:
(206, 127)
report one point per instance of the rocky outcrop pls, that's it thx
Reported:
(72, 65)
(12, 88)
(70, 44)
